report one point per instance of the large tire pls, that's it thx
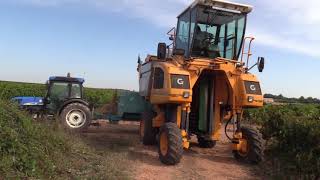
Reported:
(206, 143)
(75, 117)
(148, 134)
(170, 144)
(254, 154)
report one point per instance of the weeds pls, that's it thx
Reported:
(293, 136)
(30, 149)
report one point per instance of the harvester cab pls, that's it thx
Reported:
(201, 82)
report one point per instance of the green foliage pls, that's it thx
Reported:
(34, 150)
(98, 97)
(293, 133)
(8, 90)
(27, 149)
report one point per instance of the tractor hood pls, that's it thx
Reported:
(28, 101)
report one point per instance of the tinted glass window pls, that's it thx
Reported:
(193, 25)
(221, 42)
(182, 39)
(75, 91)
(59, 91)
(231, 40)
(218, 34)
(158, 78)
(241, 27)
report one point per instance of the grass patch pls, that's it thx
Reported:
(30, 149)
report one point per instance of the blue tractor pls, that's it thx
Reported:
(64, 100)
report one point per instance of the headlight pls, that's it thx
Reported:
(250, 99)
(186, 94)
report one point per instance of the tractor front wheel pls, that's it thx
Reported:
(75, 117)
(252, 150)
(170, 144)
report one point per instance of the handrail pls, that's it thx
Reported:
(172, 34)
(172, 37)
(248, 53)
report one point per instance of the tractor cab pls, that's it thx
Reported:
(211, 29)
(62, 89)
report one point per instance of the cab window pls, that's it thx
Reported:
(182, 39)
(59, 91)
(158, 80)
(75, 91)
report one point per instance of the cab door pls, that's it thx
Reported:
(145, 79)
(57, 94)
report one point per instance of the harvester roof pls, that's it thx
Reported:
(222, 5)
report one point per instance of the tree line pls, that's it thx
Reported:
(282, 99)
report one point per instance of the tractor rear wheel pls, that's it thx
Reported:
(170, 144)
(206, 143)
(148, 133)
(76, 117)
(253, 152)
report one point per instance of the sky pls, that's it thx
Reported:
(100, 40)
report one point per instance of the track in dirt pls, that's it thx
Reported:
(143, 163)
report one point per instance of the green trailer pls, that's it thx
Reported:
(126, 105)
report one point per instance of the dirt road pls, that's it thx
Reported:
(142, 161)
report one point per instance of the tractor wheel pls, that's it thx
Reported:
(170, 144)
(75, 117)
(253, 152)
(205, 143)
(147, 132)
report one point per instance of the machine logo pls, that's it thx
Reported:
(180, 81)
(253, 87)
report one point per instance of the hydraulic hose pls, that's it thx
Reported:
(225, 129)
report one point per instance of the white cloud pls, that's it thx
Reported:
(161, 13)
(292, 25)
(278, 42)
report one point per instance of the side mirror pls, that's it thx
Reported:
(260, 64)
(162, 51)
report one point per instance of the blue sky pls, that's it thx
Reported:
(101, 39)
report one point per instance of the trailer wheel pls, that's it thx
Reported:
(206, 143)
(170, 144)
(147, 132)
(75, 117)
(253, 152)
